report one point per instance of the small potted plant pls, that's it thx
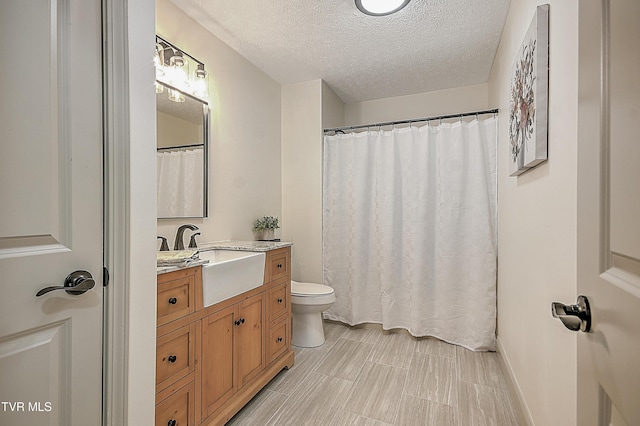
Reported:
(265, 228)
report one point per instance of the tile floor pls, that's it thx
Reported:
(366, 376)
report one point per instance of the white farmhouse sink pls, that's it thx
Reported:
(230, 273)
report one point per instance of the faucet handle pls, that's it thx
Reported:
(192, 241)
(164, 246)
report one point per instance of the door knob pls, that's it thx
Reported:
(78, 282)
(575, 317)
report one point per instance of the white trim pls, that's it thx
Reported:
(116, 208)
(520, 405)
(130, 213)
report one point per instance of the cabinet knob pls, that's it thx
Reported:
(279, 300)
(279, 265)
(173, 300)
(240, 321)
(237, 322)
(172, 358)
(172, 422)
(279, 339)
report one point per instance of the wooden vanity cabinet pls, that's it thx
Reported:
(232, 350)
(176, 339)
(176, 294)
(279, 312)
(278, 265)
(225, 353)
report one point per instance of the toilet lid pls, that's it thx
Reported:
(309, 289)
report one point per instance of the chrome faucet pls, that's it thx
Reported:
(179, 244)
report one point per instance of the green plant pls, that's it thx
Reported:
(267, 222)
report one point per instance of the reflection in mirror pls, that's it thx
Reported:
(182, 135)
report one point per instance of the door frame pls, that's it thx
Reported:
(130, 226)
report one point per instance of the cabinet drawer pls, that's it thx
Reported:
(279, 335)
(178, 409)
(175, 299)
(278, 264)
(279, 300)
(175, 356)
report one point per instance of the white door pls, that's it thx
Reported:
(50, 211)
(608, 385)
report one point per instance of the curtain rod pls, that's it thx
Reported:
(166, 148)
(416, 120)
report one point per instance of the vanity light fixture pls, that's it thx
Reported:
(201, 83)
(175, 95)
(178, 72)
(380, 7)
(172, 70)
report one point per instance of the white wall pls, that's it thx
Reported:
(333, 109)
(244, 159)
(420, 105)
(302, 177)
(307, 108)
(140, 304)
(537, 226)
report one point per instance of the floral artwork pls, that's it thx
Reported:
(522, 108)
(528, 97)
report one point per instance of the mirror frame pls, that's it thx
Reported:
(205, 143)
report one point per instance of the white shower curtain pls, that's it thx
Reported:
(180, 183)
(409, 230)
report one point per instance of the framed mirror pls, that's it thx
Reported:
(182, 151)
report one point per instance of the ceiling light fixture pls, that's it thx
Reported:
(380, 7)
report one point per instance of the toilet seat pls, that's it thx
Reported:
(311, 294)
(309, 289)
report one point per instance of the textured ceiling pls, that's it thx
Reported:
(429, 45)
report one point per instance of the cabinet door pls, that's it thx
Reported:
(218, 367)
(175, 356)
(279, 299)
(177, 409)
(251, 347)
(279, 337)
(278, 264)
(175, 296)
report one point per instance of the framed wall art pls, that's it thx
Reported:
(528, 97)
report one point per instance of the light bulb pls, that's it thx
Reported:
(175, 95)
(158, 61)
(179, 72)
(200, 85)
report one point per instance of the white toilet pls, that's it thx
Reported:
(308, 301)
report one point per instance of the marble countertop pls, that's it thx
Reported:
(244, 245)
(165, 269)
(226, 245)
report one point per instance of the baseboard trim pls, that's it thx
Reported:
(520, 406)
